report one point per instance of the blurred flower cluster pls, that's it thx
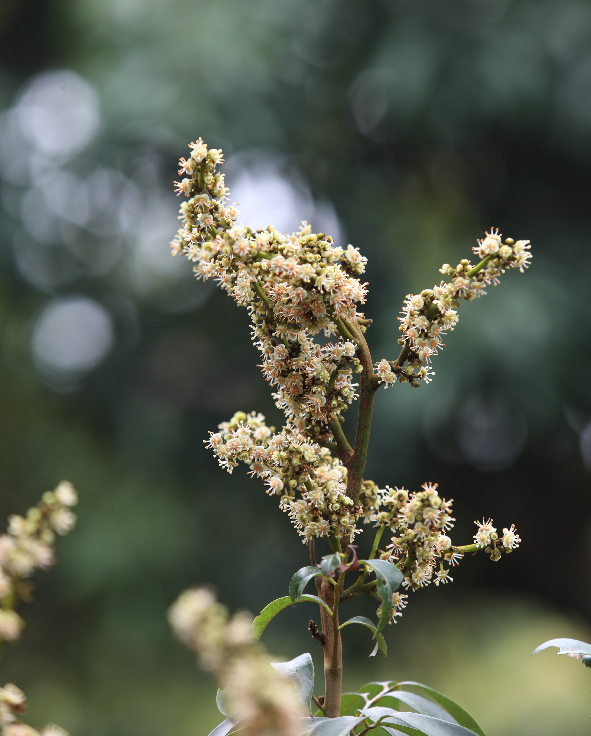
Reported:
(256, 694)
(27, 546)
(12, 705)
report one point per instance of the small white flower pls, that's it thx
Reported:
(66, 493)
(11, 625)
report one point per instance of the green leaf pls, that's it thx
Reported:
(275, 607)
(341, 726)
(424, 724)
(220, 701)
(389, 578)
(380, 644)
(300, 580)
(330, 563)
(456, 711)
(566, 646)
(300, 671)
(375, 688)
(420, 704)
(351, 702)
(269, 611)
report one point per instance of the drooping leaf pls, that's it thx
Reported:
(272, 609)
(269, 611)
(341, 726)
(220, 701)
(460, 715)
(300, 580)
(380, 643)
(389, 578)
(566, 646)
(350, 703)
(422, 723)
(300, 671)
(223, 728)
(330, 563)
(315, 599)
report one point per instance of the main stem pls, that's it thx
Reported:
(354, 460)
(368, 385)
(333, 648)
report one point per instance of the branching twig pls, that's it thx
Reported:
(316, 633)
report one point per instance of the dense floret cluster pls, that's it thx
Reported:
(487, 538)
(429, 315)
(294, 286)
(419, 522)
(309, 480)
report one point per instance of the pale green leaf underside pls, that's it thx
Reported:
(300, 671)
(566, 646)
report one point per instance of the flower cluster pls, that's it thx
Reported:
(429, 315)
(310, 482)
(259, 697)
(13, 705)
(420, 522)
(294, 286)
(487, 538)
(27, 546)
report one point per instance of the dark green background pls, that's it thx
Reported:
(423, 123)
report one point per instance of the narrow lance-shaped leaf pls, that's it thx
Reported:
(272, 609)
(341, 726)
(300, 671)
(417, 702)
(300, 580)
(424, 724)
(380, 643)
(459, 714)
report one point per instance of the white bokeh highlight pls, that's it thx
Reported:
(58, 113)
(71, 336)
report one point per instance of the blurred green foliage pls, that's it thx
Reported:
(410, 125)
